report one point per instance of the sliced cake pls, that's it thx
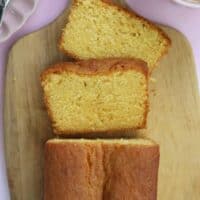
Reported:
(96, 95)
(100, 29)
(101, 169)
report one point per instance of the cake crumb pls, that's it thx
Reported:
(153, 80)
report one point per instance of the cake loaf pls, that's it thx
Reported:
(100, 29)
(101, 169)
(107, 95)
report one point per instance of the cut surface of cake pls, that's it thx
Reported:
(99, 29)
(96, 95)
(101, 169)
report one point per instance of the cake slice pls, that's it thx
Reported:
(101, 169)
(96, 95)
(100, 29)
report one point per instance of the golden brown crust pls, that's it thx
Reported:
(96, 67)
(130, 13)
(96, 170)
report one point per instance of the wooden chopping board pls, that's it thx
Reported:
(173, 121)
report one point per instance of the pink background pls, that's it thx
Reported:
(186, 20)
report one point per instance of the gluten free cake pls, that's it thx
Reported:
(100, 29)
(101, 169)
(96, 95)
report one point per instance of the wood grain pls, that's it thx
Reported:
(173, 121)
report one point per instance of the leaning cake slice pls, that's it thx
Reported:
(100, 29)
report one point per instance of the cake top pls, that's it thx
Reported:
(98, 67)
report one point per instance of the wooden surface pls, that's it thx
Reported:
(173, 121)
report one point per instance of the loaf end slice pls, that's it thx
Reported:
(99, 29)
(96, 95)
(101, 169)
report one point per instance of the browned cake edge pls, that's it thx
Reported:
(140, 168)
(95, 67)
(125, 11)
